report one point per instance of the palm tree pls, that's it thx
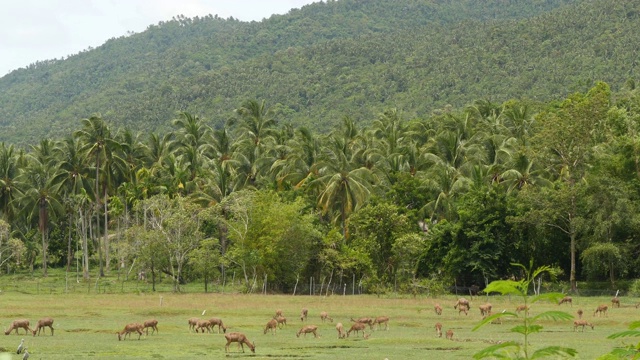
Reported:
(193, 142)
(10, 187)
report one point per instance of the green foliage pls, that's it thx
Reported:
(514, 350)
(626, 352)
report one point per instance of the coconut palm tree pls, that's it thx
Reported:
(10, 187)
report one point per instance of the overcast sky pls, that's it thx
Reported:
(33, 30)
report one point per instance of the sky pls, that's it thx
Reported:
(36, 30)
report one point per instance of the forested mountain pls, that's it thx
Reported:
(328, 60)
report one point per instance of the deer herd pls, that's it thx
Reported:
(279, 321)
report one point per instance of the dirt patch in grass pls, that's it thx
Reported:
(441, 348)
(77, 330)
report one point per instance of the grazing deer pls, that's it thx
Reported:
(579, 312)
(308, 329)
(271, 325)
(463, 308)
(358, 326)
(438, 309)
(42, 323)
(566, 299)
(324, 316)
(462, 302)
(203, 325)
(601, 310)
(485, 310)
(153, 324)
(340, 329)
(241, 339)
(128, 329)
(439, 329)
(281, 321)
(365, 320)
(278, 313)
(615, 302)
(193, 322)
(303, 314)
(382, 320)
(450, 334)
(583, 323)
(524, 308)
(213, 322)
(19, 324)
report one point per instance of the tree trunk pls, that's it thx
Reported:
(106, 232)
(572, 278)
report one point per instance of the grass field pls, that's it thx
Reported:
(86, 325)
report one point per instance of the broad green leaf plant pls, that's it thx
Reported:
(514, 349)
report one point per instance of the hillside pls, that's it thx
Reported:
(326, 60)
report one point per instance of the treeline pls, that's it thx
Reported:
(451, 198)
(327, 60)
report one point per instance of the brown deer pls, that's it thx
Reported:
(439, 329)
(271, 325)
(462, 302)
(340, 330)
(19, 324)
(303, 314)
(153, 324)
(583, 323)
(324, 316)
(281, 321)
(365, 320)
(241, 339)
(615, 302)
(438, 309)
(524, 308)
(463, 308)
(128, 329)
(566, 299)
(193, 322)
(358, 326)
(213, 322)
(485, 310)
(203, 325)
(308, 329)
(41, 325)
(382, 320)
(579, 312)
(450, 334)
(601, 310)
(278, 313)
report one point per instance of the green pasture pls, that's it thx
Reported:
(86, 325)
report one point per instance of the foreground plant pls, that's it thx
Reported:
(513, 349)
(627, 352)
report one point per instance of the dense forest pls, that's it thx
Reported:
(364, 150)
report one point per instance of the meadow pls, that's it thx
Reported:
(86, 326)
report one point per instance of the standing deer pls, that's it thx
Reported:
(340, 330)
(382, 320)
(365, 320)
(217, 322)
(153, 324)
(583, 323)
(271, 325)
(308, 329)
(579, 312)
(602, 310)
(241, 339)
(524, 308)
(439, 329)
(358, 326)
(281, 321)
(566, 299)
(450, 334)
(193, 322)
(438, 309)
(303, 314)
(615, 302)
(19, 324)
(324, 316)
(485, 310)
(128, 329)
(42, 323)
(462, 302)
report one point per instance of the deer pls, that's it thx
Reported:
(583, 323)
(217, 322)
(204, 325)
(439, 329)
(324, 316)
(271, 325)
(19, 324)
(566, 299)
(601, 310)
(193, 322)
(485, 310)
(463, 308)
(281, 321)
(308, 329)
(579, 312)
(241, 339)
(340, 330)
(128, 329)
(41, 325)
(524, 308)
(358, 326)
(153, 324)
(462, 302)
(364, 320)
(278, 313)
(615, 302)
(438, 309)
(303, 314)
(450, 334)
(382, 320)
